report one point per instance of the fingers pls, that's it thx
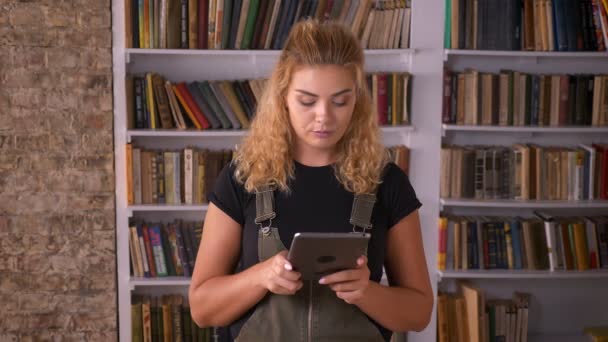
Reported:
(282, 279)
(284, 286)
(347, 286)
(282, 268)
(360, 272)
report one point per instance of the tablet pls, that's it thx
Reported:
(315, 255)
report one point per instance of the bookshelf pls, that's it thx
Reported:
(562, 302)
(193, 65)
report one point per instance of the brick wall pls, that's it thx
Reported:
(57, 230)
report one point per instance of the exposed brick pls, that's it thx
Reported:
(14, 282)
(48, 321)
(8, 337)
(63, 58)
(33, 301)
(12, 322)
(57, 214)
(3, 21)
(35, 263)
(26, 14)
(57, 16)
(27, 97)
(30, 57)
(94, 18)
(62, 100)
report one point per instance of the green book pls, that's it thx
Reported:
(252, 16)
(226, 24)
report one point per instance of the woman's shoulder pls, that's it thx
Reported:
(392, 173)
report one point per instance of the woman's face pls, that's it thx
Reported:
(320, 101)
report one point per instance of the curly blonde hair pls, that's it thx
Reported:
(266, 154)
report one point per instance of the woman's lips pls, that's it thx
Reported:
(322, 133)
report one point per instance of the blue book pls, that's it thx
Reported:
(516, 241)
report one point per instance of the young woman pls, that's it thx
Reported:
(313, 147)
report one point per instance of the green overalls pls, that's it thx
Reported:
(314, 313)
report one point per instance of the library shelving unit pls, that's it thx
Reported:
(422, 136)
(563, 302)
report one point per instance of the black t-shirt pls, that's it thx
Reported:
(317, 203)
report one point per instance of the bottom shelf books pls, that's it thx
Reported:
(469, 316)
(165, 318)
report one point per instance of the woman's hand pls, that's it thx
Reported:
(276, 275)
(349, 285)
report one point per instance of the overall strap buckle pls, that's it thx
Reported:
(361, 213)
(264, 206)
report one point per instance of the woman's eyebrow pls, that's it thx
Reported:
(343, 91)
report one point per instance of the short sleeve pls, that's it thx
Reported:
(398, 194)
(228, 195)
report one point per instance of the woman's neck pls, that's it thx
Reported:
(314, 157)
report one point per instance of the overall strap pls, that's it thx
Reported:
(361, 213)
(264, 204)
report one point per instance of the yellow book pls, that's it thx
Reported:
(580, 246)
(597, 334)
(129, 162)
(150, 99)
(234, 103)
(443, 235)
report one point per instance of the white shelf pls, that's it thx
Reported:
(167, 208)
(160, 281)
(524, 129)
(188, 133)
(246, 53)
(522, 274)
(397, 129)
(531, 204)
(551, 54)
(223, 133)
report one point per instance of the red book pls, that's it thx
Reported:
(382, 100)
(196, 111)
(149, 253)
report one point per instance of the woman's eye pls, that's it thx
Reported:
(307, 103)
(339, 103)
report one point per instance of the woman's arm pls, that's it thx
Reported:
(408, 303)
(218, 298)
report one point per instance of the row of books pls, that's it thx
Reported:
(155, 102)
(259, 24)
(525, 172)
(513, 98)
(514, 243)
(161, 250)
(172, 177)
(187, 176)
(539, 25)
(467, 315)
(165, 318)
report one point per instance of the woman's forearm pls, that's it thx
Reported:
(397, 308)
(221, 300)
